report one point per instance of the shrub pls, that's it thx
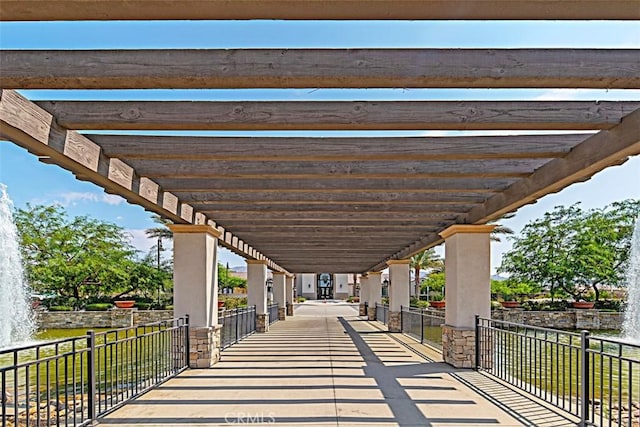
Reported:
(98, 306)
(301, 299)
(168, 307)
(60, 308)
(144, 305)
(420, 304)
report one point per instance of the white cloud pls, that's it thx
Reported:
(72, 198)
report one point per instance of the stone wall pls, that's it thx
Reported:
(115, 318)
(570, 319)
(459, 346)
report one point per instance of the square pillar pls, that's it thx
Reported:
(374, 282)
(279, 291)
(195, 289)
(467, 290)
(398, 292)
(257, 292)
(364, 296)
(289, 285)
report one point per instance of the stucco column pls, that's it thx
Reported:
(257, 292)
(289, 285)
(364, 295)
(374, 282)
(279, 296)
(195, 289)
(398, 292)
(467, 290)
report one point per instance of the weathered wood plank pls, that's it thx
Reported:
(332, 215)
(101, 10)
(339, 115)
(273, 197)
(129, 147)
(484, 168)
(27, 125)
(320, 68)
(287, 185)
(375, 207)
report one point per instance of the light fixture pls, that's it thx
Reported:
(385, 282)
(309, 286)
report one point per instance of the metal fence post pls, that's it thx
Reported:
(421, 326)
(584, 377)
(477, 342)
(401, 320)
(186, 340)
(91, 375)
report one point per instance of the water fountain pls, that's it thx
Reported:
(631, 326)
(16, 320)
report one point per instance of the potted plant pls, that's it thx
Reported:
(509, 300)
(437, 300)
(124, 303)
(585, 301)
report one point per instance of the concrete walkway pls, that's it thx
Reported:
(326, 367)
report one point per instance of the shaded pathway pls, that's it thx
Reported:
(323, 370)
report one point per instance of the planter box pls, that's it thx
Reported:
(583, 304)
(437, 304)
(510, 304)
(124, 304)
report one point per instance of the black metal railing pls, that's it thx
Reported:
(382, 313)
(272, 309)
(237, 324)
(423, 325)
(75, 380)
(594, 378)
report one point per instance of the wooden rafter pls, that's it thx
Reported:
(339, 115)
(87, 10)
(320, 68)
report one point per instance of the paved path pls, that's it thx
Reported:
(326, 367)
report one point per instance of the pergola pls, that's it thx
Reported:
(316, 204)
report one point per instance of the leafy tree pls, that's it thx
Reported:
(425, 260)
(572, 251)
(227, 280)
(73, 257)
(434, 282)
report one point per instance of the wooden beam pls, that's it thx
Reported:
(339, 115)
(32, 128)
(287, 185)
(377, 207)
(483, 168)
(333, 215)
(355, 197)
(320, 68)
(102, 10)
(604, 149)
(128, 147)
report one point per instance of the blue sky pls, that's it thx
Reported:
(29, 181)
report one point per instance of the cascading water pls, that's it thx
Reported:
(16, 320)
(631, 326)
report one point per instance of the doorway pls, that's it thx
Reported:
(325, 286)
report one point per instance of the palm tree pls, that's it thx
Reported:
(501, 229)
(425, 260)
(159, 233)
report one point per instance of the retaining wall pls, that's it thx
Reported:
(570, 319)
(115, 318)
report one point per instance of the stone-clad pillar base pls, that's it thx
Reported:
(289, 309)
(395, 321)
(371, 313)
(282, 313)
(204, 343)
(262, 322)
(363, 309)
(459, 346)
